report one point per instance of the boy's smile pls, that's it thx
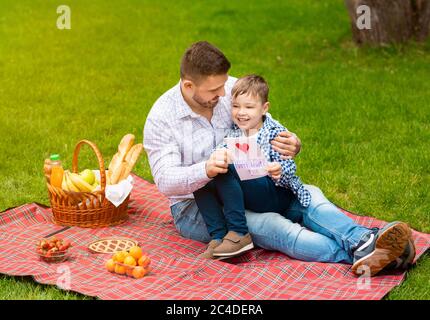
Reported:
(247, 112)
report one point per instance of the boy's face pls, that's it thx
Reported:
(247, 111)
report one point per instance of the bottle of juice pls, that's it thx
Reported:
(47, 169)
(57, 171)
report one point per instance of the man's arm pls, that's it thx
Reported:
(287, 144)
(171, 176)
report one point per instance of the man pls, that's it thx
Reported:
(180, 133)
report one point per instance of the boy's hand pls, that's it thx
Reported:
(274, 170)
(287, 144)
(217, 163)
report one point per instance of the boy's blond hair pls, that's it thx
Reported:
(252, 84)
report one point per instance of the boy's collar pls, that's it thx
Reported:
(268, 122)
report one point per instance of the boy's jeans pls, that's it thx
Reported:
(222, 201)
(320, 232)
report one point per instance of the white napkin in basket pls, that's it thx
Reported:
(117, 193)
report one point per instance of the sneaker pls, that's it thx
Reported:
(208, 253)
(233, 244)
(378, 250)
(406, 260)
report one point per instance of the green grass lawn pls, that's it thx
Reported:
(363, 115)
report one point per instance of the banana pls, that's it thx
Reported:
(64, 183)
(70, 184)
(80, 183)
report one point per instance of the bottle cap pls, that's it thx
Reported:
(55, 157)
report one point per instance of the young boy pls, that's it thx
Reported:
(223, 200)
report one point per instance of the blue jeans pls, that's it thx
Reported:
(222, 201)
(320, 232)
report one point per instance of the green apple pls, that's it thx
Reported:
(95, 184)
(88, 175)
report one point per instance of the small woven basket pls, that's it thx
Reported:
(86, 209)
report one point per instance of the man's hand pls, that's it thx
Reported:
(217, 163)
(274, 170)
(287, 144)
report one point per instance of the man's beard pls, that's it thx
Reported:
(205, 104)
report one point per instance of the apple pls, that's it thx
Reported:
(95, 185)
(88, 176)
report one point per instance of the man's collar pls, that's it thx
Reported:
(182, 108)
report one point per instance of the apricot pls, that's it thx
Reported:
(120, 256)
(129, 271)
(139, 272)
(110, 265)
(120, 269)
(129, 260)
(144, 261)
(136, 252)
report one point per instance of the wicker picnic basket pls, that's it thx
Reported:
(86, 209)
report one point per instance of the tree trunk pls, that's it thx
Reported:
(422, 7)
(391, 21)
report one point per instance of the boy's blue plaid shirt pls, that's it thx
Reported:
(265, 135)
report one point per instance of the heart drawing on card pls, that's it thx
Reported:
(242, 147)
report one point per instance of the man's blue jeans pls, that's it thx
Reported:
(320, 232)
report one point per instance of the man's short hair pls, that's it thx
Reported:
(203, 59)
(251, 84)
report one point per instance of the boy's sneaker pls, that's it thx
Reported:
(233, 244)
(406, 259)
(208, 253)
(381, 248)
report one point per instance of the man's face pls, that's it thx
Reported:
(207, 92)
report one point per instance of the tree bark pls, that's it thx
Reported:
(422, 19)
(392, 21)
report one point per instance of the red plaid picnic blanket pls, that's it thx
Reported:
(177, 273)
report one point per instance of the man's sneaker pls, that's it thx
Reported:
(208, 253)
(380, 249)
(406, 259)
(233, 244)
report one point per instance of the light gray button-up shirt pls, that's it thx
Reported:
(178, 141)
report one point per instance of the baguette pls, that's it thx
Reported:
(133, 154)
(131, 159)
(125, 145)
(115, 162)
(115, 168)
(115, 177)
